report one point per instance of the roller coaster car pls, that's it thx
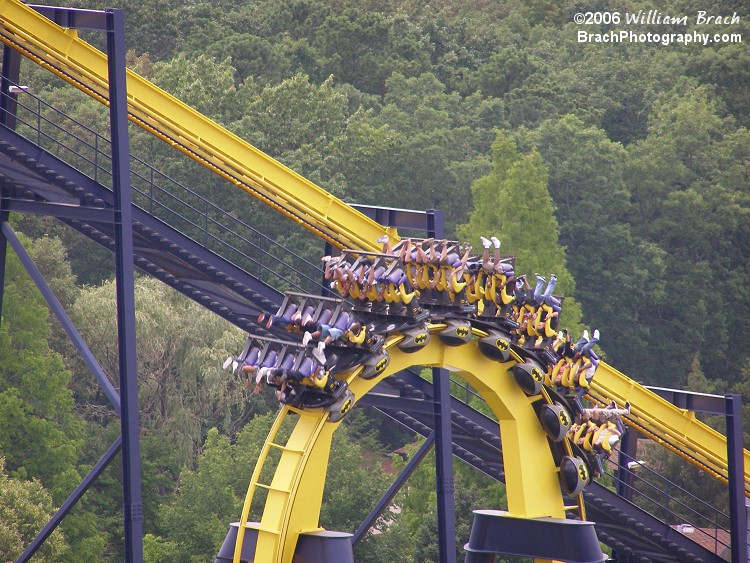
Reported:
(383, 320)
(571, 401)
(497, 344)
(375, 364)
(556, 420)
(456, 333)
(529, 375)
(593, 461)
(575, 474)
(334, 398)
(342, 358)
(415, 338)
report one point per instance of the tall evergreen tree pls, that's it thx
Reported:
(513, 203)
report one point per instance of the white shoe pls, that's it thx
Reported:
(495, 242)
(227, 362)
(485, 242)
(319, 355)
(586, 335)
(596, 334)
(235, 365)
(306, 338)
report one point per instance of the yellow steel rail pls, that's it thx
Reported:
(65, 54)
(675, 428)
(531, 475)
(533, 488)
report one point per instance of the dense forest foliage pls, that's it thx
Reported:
(623, 167)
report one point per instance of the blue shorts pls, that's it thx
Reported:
(332, 331)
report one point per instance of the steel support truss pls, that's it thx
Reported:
(111, 22)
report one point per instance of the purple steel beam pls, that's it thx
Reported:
(9, 73)
(71, 501)
(735, 460)
(125, 287)
(9, 76)
(3, 256)
(444, 484)
(395, 487)
(74, 18)
(57, 309)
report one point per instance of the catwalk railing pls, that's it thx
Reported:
(217, 229)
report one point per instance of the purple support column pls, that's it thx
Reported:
(735, 463)
(446, 510)
(124, 273)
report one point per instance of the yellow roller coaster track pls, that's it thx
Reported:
(674, 428)
(296, 489)
(62, 52)
(66, 55)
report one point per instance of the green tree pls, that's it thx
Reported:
(512, 203)
(25, 507)
(685, 202)
(204, 83)
(442, 147)
(620, 277)
(41, 434)
(364, 48)
(408, 530)
(253, 57)
(182, 389)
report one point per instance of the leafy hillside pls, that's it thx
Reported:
(623, 165)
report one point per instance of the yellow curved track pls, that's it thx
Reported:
(306, 454)
(77, 62)
(674, 428)
(296, 489)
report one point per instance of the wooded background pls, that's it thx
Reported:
(624, 168)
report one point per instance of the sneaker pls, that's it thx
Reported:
(553, 277)
(383, 239)
(495, 242)
(485, 242)
(586, 335)
(227, 362)
(319, 355)
(296, 316)
(235, 365)
(270, 321)
(538, 277)
(261, 317)
(307, 321)
(596, 334)
(306, 338)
